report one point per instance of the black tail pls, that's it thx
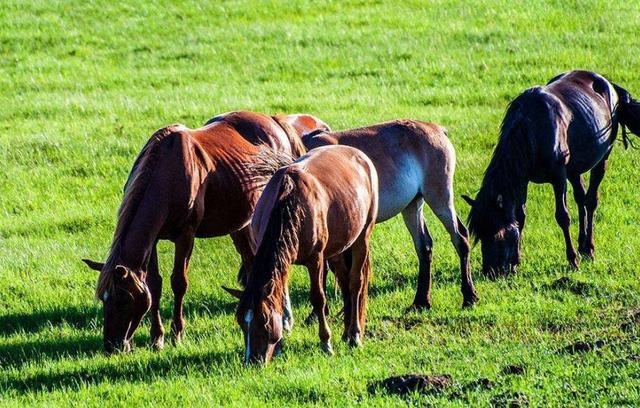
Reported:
(628, 112)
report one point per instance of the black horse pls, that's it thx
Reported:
(550, 134)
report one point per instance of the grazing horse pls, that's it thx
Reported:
(185, 184)
(415, 162)
(550, 134)
(287, 141)
(316, 209)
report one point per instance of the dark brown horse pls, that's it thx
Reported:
(415, 162)
(313, 210)
(550, 134)
(185, 184)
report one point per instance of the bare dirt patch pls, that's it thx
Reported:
(408, 383)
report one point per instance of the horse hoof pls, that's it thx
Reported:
(419, 307)
(470, 301)
(587, 255)
(176, 339)
(158, 343)
(327, 348)
(355, 341)
(312, 318)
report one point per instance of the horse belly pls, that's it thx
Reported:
(397, 189)
(587, 148)
(225, 211)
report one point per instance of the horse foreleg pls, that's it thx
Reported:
(319, 301)
(579, 195)
(563, 219)
(154, 281)
(414, 221)
(597, 174)
(179, 282)
(242, 241)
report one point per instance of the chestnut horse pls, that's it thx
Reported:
(550, 134)
(185, 184)
(302, 123)
(415, 162)
(313, 210)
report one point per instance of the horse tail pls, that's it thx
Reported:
(628, 112)
(295, 141)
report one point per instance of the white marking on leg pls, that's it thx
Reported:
(287, 318)
(248, 317)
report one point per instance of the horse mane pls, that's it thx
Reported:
(297, 147)
(277, 249)
(514, 155)
(134, 190)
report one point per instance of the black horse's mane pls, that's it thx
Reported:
(514, 155)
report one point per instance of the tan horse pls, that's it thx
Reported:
(185, 184)
(313, 210)
(416, 163)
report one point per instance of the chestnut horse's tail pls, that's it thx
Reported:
(628, 111)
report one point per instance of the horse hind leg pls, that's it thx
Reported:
(442, 205)
(317, 271)
(358, 281)
(591, 203)
(341, 268)
(580, 196)
(414, 221)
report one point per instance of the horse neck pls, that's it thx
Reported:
(141, 236)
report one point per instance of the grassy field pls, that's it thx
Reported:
(83, 87)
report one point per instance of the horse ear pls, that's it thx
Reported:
(96, 266)
(236, 293)
(499, 201)
(121, 271)
(469, 200)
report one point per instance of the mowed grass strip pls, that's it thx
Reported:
(86, 83)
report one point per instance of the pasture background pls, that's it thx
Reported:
(83, 87)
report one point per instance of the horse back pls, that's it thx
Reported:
(591, 99)
(405, 153)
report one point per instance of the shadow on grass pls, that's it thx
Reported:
(21, 353)
(111, 371)
(90, 316)
(37, 320)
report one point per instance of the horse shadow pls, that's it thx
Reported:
(21, 353)
(114, 371)
(76, 316)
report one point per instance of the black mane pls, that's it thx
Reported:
(513, 157)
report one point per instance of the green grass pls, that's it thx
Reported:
(84, 86)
